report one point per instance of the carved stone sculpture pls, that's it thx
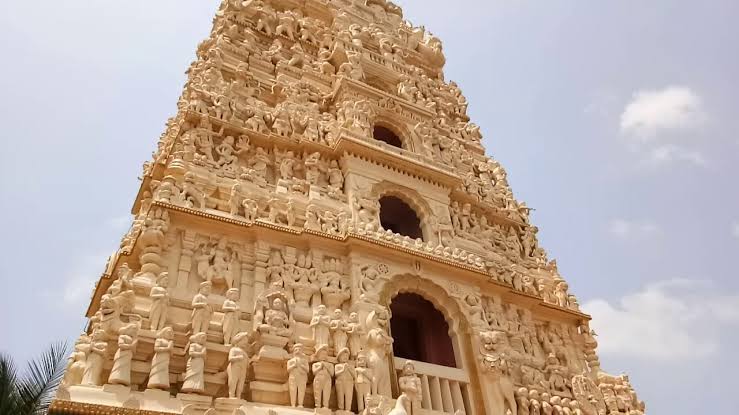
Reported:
(201, 309)
(127, 339)
(231, 315)
(345, 378)
(159, 303)
(321, 323)
(96, 359)
(297, 369)
(410, 385)
(195, 371)
(159, 373)
(238, 362)
(323, 372)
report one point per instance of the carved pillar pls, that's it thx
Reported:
(261, 258)
(247, 278)
(185, 264)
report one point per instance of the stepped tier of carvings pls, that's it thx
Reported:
(318, 167)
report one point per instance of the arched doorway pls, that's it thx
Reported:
(445, 363)
(397, 216)
(387, 136)
(420, 331)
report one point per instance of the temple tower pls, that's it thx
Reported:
(320, 230)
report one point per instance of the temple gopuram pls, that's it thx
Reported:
(320, 231)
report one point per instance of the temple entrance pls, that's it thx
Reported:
(420, 331)
(397, 216)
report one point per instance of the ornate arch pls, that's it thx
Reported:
(413, 199)
(442, 299)
(396, 126)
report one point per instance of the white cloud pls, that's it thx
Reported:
(628, 229)
(651, 112)
(666, 321)
(671, 153)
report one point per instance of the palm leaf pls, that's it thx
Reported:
(37, 387)
(8, 384)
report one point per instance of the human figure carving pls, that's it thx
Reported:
(159, 302)
(345, 377)
(121, 372)
(338, 330)
(96, 359)
(320, 323)
(354, 331)
(323, 372)
(364, 382)
(201, 309)
(159, 372)
(410, 384)
(297, 369)
(378, 345)
(238, 362)
(195, 370)
(231, 315)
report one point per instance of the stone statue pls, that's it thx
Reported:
(159, 302)
(534, 402)
(159, 372)
(410, 385)
(354, 331)
(121, 372)
(495, 365)
(345, 377)
(238, 362)
(378, 345)
(297, 369)
(274, 319)
(96, 359)
(364, 383)
(201, 309)
(323, 372)
(320, 323)
(338, 330)
(195, 370)
(231, 315)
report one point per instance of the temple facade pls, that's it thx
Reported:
(320, 230)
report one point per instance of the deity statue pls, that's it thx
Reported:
(238, 362)
(297, 369)
(323, 372)
(201, 309)
(365, 381)
(163, 346)
(273, 319)
(195, 370)
(522, 399)
(231, 315)
(159, 302)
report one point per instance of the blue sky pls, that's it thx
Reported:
(618, 121)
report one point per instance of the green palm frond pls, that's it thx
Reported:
(8, 383)
(35, 390)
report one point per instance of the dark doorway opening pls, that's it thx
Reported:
(397, 216)
(420, 332)
(386, 135)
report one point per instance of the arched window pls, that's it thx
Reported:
(420, 331)
(387, 136)
(397, 216)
